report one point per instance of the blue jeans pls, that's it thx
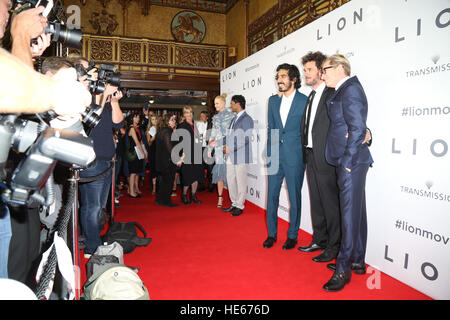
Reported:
(93, 198)
(5, 237)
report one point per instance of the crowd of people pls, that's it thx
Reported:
(199, 165)
(324, 135)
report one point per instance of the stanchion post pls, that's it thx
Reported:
(75, 249)
(113, 190)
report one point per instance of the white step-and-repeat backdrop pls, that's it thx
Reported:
(400, 51)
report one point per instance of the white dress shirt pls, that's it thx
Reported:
(314, 106)
(285, 106)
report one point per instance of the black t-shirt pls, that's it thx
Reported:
(102, 134)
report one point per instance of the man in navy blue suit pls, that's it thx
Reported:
(284, 153)
(347, 110)
(238, 154)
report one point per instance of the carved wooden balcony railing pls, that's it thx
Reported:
(146, 59)
(284, 18)
(145, 55)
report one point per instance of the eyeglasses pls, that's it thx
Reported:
(324, 70)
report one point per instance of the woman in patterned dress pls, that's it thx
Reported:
(220, 124)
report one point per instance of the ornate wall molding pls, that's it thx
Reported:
(103, 22)
(284, 18)
(155, 56)
(103, 2)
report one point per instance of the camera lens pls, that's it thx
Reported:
(97, 87)
(90, 118)
(62, 34)
(113, 79)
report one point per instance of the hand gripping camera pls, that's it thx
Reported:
(60, 33)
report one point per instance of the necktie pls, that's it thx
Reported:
(308, 115)
(232, 122)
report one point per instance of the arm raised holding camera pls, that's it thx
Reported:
(26, 25)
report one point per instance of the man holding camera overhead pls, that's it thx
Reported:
(94, 194)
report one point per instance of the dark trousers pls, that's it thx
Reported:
(165, 187)
(324, 197)
(352, 197)
(294, 181)
(24, 248)
(93, 198)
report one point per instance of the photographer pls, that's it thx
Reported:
(50, 68)
(26, 91)
(31, 92)
(94, 194)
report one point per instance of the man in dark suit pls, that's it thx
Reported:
(321, 176)
(284, 153)
(347, 109)
(239, 154)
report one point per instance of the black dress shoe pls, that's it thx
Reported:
(229, 209)
(356, 268)
(194, 198)
(268, 243)
(184, 199)
(311, 248)
(237, 212)
(325, 256)
(338, 281)
(289, 244)
(359, 268)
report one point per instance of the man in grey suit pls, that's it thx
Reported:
(238, 154)
(284, 143)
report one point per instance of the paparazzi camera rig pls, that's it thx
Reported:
(105, 75)
(38, 148)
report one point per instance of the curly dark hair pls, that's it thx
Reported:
(293, 72)
(318, 57)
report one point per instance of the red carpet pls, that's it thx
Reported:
(199, 252)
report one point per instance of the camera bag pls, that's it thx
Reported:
(112, 253)
(125, 233)
(115, 281)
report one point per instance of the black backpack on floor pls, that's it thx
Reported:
(125, 233)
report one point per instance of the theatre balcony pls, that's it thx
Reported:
(157, 64)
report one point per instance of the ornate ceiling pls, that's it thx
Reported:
(218, 6)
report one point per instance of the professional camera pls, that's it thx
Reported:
(106, 74)
(90, 118)
(40, 147)
(60, 33)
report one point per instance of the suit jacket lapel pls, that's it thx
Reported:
(277, 115)
(239, 119)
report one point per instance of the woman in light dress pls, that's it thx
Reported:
(220, 124)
